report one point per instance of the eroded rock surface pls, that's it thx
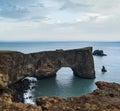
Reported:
(17, 65)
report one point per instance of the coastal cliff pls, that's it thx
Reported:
(105, 98)
(16, 65)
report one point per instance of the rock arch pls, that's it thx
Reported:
(45, 64)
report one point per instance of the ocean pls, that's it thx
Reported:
(65, 84)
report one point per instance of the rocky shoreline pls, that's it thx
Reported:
(18, 89)
(105, 98)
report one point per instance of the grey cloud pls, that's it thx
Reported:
(13, 12)
(74, 6)
(18, 9)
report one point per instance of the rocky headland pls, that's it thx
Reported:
(16, 65)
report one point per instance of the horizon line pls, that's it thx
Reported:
(60, 41)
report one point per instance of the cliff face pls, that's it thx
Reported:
(17, 65)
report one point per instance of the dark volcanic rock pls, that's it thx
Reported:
(17, 65)
(103, 69)
(99, 53)
(18, 89)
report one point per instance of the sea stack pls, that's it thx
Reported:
(103, 69)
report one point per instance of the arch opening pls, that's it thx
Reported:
(65, 70)
(64, 76)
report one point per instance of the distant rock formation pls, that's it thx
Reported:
(103, 69)
(17, 65)
(99, 53)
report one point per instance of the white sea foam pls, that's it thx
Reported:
(28, 96)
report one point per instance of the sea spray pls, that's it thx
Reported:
(28, 96)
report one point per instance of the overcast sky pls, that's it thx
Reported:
(59, 20)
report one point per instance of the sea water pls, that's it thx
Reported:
(65, 84)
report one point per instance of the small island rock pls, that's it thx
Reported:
(99, 53)
(103, 69)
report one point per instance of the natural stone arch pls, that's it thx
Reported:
(79, 60)
(45, 64)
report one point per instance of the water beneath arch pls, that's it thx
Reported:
(65, 84)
